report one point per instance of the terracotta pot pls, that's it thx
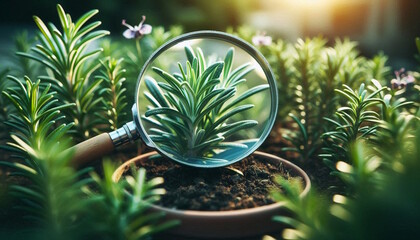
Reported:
(225, 224)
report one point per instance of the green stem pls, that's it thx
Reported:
(139, 51)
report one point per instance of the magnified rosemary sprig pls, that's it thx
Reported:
(192, 110)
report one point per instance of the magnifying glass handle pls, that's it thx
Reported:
(103, 144)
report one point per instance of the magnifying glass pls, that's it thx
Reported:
(204, 99)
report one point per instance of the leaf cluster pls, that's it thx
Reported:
(36, 113)
(188, 111)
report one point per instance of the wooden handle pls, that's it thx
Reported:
(92, 149)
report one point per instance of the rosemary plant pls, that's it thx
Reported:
(280, 59)
(306, 96)
(37, 112)
(63, 54)
(381, 174)
(377, 68)
(113, 94)
(39, 143)
(189, 113)
(395, 128)
(353, 122)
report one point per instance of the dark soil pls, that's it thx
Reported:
(216, 189)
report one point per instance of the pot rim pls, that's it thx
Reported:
(121, 169)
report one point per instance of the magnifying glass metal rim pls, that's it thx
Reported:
(208, 34)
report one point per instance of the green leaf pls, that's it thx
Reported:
(228, 63)
(167, 111)
(190, 53)
(246, 95)
(155, 91)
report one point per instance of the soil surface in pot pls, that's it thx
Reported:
(216, 189)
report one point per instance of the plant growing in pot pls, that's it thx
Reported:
(202, 116)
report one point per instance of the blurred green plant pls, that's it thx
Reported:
(309, 219)
(188, 112)
(121, 208)
(4, 106)
(377, 69)
(305, 88)
(160, 36)
(279, 57)
(24, 66)
(38, 140)
(385, 206)
(65, 56)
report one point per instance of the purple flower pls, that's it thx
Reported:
(402, 80)
(261, 39)
(137, 31)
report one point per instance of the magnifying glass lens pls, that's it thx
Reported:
(206, 101)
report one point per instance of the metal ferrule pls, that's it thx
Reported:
(125, 134)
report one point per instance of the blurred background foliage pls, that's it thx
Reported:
(376, 24)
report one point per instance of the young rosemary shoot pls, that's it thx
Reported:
(113, 94)
(191, 111)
